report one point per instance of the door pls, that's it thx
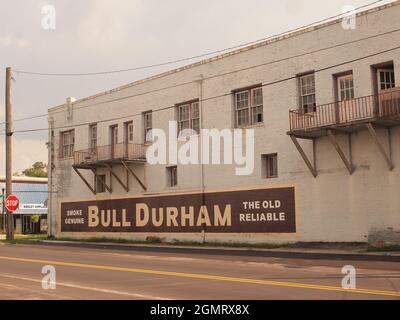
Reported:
(128, 139)
(114, 142)
(388, 99)
(346, 107)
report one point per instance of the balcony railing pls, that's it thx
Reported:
(121, 151)
(385, 105)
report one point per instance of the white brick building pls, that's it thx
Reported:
(349, 190)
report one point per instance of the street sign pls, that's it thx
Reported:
(12, 203)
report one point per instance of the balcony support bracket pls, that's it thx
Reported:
(129, 169)
(84, 180)
(126, 187)
(312, 168)
(386, 156)
(108, 188)
(335, 143)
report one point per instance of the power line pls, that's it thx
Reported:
(212, 77)
(213, 97)
(197, 56)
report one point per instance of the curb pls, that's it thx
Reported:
(268, 253)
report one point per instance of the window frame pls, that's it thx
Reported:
(249, 107)
(101, 185)
(267, 166)
(388, 85)
(192, 116)
(302, 96)
(93, 140)
(146, 116)
(348, 91)
(172, 175)
(70, 147)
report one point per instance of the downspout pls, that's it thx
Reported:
(50, 179)
(200, 81)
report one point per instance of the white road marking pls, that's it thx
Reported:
(74, 286)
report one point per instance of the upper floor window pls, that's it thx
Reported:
(345, 87)
(129, 132)
(189, 117)
(67, 144)
(249, 107)
(386, 79)
(307, 93)
(148, 126)
(93, 137)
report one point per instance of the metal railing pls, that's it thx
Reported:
(384, 105)
(120, 151)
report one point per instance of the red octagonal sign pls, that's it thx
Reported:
(12, 203)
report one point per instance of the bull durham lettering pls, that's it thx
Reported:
(248, 211)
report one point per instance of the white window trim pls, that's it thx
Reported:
(250, 107)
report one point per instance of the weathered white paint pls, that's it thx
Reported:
(333, 207)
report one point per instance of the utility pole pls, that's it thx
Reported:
(9, 133)
(3, 210)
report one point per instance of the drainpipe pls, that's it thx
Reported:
(50, 179)
(200, 81)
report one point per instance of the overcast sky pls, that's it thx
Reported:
(97, 35)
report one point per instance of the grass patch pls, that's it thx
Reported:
(159, 241)
(26, 239)
(394, 248)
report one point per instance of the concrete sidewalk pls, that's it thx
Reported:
(295, 253)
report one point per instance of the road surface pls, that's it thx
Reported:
(94, 273)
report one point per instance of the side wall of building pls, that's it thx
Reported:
(335, 206)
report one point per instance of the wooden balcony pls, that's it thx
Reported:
(111, 154)
(107, 158)
(345, 117)
(349, 116)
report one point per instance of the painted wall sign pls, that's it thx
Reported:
(249, 211)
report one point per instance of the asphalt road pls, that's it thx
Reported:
(92, 273)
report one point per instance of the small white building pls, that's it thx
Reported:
(324, 103)
(31, 216)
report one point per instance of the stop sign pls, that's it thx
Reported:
(12, 203)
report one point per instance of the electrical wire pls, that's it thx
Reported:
(197, 56)
(212, 77)
(210, 98)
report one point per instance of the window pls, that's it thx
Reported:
(189, 117)
(93, 137)
(345, 87)
(129, 132)
(307, 93)
(249, 107)
(68, 144)
(386, 79)
(172, 176)
(100, 183)
(148, 126)
(114, 135)
(270, 166)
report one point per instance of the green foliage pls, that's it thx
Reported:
(35, 218)
(38, 170)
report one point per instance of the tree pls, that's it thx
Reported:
(38, 170)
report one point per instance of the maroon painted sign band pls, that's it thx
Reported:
(249, 211)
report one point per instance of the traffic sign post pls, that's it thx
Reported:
(12, 203)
